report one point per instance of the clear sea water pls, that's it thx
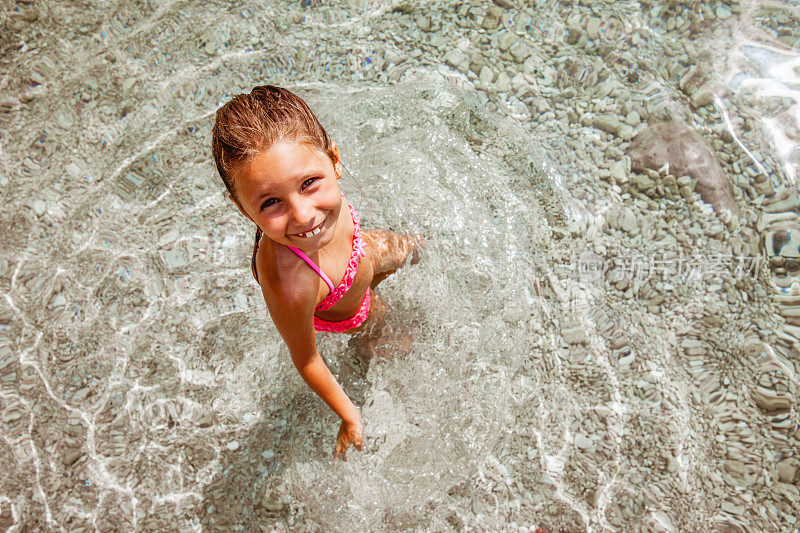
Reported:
(143, 386)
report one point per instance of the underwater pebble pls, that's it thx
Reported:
(520, 52)
(770, 401)
(70, 457)
(458, 60)
(643, 182)
(576, 335)
(607, 123)
(492, 19)
(65, 120)
(604, 89)
(503, 84)
(686, 152)
(663, 520)
(629, 221)
(233, 445)
(58, 302)
(271, 504)
(175, 259)
(72, 170)
(633, 118)
(788, 470)
(507, 4)
(723, 11)
(582, 441)
(39, 207)
(701, 97)
(513, 313)
(8, 103)
(506, 40)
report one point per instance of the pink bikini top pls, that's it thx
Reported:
(349, 274)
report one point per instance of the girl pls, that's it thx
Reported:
(282, 171)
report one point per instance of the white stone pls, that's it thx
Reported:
(8, 103)
(625, 132)
(424, 23)
(702, 97)
(607, 123)
(503, 83)
(723, 11)
(582, 441)
(633, 118)
(458, 60)
(175, 258)
(59, 302)
(626, 361)
(576, 335)
(73, 170)
(506, 40)
(486, 75)
(39, 207)
(618, 171)
(629, 221)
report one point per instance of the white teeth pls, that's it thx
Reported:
(312, 232)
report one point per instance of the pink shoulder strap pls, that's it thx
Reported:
(313, 265)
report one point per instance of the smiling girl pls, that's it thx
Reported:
(281, 170)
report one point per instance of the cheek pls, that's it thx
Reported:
(332, 199)
(273, 225)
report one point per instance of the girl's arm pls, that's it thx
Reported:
(293, 314)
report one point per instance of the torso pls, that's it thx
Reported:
(332, 260)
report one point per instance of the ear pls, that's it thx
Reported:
(240, 207)
(338, 159)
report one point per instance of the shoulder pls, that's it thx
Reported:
(286, 281)
(291, 296)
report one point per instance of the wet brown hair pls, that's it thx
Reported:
(249, 124)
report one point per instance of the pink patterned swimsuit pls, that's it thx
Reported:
(339, 291)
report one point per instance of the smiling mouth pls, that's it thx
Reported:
(311, 233)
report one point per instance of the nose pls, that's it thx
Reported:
(302, 212)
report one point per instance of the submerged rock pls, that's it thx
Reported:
(673, 143)
(788, 470)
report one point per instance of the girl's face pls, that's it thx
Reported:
(291, 193)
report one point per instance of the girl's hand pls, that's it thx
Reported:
(349, 433)
(418, 242)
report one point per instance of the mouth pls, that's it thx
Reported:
(315, 231)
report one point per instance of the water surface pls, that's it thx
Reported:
(554, 379)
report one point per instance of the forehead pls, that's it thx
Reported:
(282, 163)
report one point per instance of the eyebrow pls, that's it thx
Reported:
(300, 177)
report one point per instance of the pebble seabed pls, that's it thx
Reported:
(575, 400)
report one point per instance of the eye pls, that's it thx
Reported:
(309, 181)
(268, 203)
